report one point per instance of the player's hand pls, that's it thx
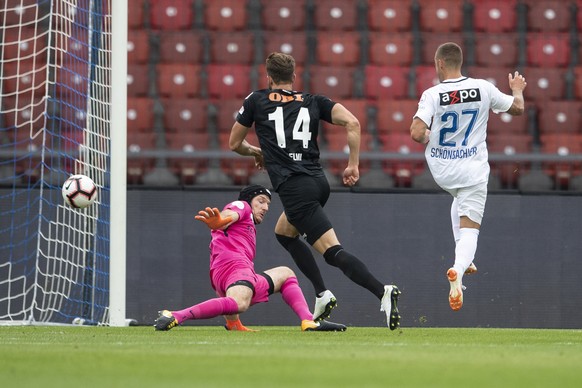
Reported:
(212, 218)
(517, 81)
(259, 161)
(351, 175)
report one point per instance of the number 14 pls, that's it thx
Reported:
(300, 128)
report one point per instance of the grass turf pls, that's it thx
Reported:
(286, 357)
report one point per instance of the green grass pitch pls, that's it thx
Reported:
(59, 356)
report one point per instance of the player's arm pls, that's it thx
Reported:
(342, 116)
(217, 220)
(419, 131)
(238, 144)
(517, 84)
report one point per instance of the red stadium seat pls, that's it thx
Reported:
(548, 50)
(338, 142)
(494, 15)
(494, 74)
(292, 43)
(504, 123)
(187, 168)
(508, 144)
(226, 15)
(232, 47)
(178, 80)
(185, 115)
(140, 114)
(545, 83)
(339, 48)
(431, 41)
(390, 49)
(180, 47)
(560, 117)
(402, 171)
(442, 16)
(20, 12)
(29, 79)
(171, 14)
(548, 16)
(283, 15)
(138, 46)
(228, 81)
(24, 44)
(135, 14)
(336, 14)
(496, 49)
(562, 145)
(263, 83)
(138, 80)
(334, 82)
(240, 169)
(395, 116)
(578, 82)
(137, 164)
(386, 82)
(226, 111)
(425, 77)
(390, 15)
(25, 114)
(359, 108)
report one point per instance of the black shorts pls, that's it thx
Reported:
(303, 198)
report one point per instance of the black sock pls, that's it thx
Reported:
(354, 269)
(303, 258)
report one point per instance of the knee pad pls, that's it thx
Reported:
(330, 255)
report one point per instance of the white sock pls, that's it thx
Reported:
(455, 220)
(465, 250)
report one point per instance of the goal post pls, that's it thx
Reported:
(62, 112)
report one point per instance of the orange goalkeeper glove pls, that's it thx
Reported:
(212, 218)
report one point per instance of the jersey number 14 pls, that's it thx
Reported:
(300, 128)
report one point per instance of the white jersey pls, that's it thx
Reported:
(456, 111)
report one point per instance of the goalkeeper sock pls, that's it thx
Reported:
(303, 258)
(465, 249)
(208, 309)
(293, 296)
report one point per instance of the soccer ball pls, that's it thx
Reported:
(79, 191)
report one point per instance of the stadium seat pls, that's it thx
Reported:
(431, 41)
(496, 49)
(389, 15)
(28, 79)
(138, 80)
(394, 49)
(560, 117)
(232, 47)
(562, 145)
(137, 164)
(504, 123)
(425, 77)
(578, 82)
(339, 48)
(171, 14)
(360, 109)
(178, 80)
(226, 111)
(508, 144)
(240, 168)
(180, 47)
(292, 43)
(185, 115)
(25, 44)
(20, 12)
(138, 46)
(544, 83)
(184, 167)
(336, 141)
(335, 15)
(283, 15)
(548, 16)
(334, 82)
(228, 81)
(263, 83)
(386, 82)
(402, 170)
(135, 14)
(24, 114)
(226, 15)
(140, 114)
(548, 49)
(395, 116)
(442, 16)
(494, 15)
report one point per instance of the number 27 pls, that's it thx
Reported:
(454, 117)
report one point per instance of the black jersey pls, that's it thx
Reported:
(287, 126)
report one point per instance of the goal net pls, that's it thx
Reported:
(55, 120)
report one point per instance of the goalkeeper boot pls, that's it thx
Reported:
(456, 292)
(307, 325)
(236, 326)
(165, 321)
(389, 304)
(323, 306)
(471, 270)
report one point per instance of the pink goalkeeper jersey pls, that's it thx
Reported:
(238, 242)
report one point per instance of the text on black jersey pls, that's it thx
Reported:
(459, 96)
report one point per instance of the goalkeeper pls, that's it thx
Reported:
(232, 273)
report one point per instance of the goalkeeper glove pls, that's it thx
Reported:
(212, 218)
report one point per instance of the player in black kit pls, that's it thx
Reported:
(287, 126)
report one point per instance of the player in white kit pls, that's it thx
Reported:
(452, 120)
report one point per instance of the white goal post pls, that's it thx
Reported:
(63, 66)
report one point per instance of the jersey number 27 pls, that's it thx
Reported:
(300, 128)
(454, 117)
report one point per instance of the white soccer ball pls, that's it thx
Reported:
(79, 191)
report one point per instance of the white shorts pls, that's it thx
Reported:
(471, 201)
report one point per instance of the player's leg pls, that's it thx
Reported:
(456, 224)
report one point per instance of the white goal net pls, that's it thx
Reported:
(55, 120)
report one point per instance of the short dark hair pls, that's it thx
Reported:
(280, 67)
(451, 53)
